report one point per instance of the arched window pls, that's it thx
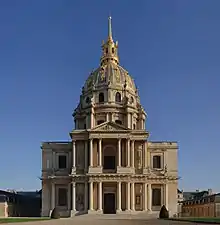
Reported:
(87, 100)
(100, 121)
(118, 122)
(101, 97)
(118, 97)
(157, 161)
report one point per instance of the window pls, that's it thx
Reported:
(157, 162)
(156, 197)
(100, 121)
(118, 122)
(109, 162)
(113, 50)
(131, 100)
(62, 162)
(87, 100)
(118, 97)
(62, 196)
(106, 51)
(84, 126)
(101, 97)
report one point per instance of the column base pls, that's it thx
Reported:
(73, 171)
(73, 213)
(119, 211)
(146, 171)
(97, 169)
(93, 211)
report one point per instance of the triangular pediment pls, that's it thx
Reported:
(109, 126)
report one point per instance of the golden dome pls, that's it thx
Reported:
(110, 73)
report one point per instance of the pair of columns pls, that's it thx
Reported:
(99, 153)
(130, 153)
(91, 191)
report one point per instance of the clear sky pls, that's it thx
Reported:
(49, 47)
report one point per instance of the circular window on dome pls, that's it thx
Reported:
(87, 100)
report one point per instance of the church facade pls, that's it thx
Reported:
(109, 166)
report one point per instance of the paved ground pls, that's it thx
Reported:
(90, 221)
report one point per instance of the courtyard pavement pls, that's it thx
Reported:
(109, 221)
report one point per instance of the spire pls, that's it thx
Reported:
(109, 47)
(110, 28)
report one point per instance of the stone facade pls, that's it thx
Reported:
(110, 166)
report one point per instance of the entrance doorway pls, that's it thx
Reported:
(109, 203)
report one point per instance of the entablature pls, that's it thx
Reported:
(162, 146)
(63, 146)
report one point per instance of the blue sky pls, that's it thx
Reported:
(49, 47)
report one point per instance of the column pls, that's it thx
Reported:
(87, 121)
(149, 197)
(54, 160)
(132, 154)
(69, 196)
(128, 153)
(74, 154)
(91, 196)
(166, 196)
(73, 196)
(146, 156)
(119, 195)
(100, 195)
(119, 152)
(145, 197)
(132, 197)
(86, 155)
(91, 153)
(107, 117)
(92, 120)
(100, 152)
(86, 196)
(128, 196)
(52, 196)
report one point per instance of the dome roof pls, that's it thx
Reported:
(112, 75)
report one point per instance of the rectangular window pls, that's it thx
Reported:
(62, 197)
(62, 162)
(157, 162)
(156, 197)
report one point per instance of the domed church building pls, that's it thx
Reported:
(109, 166)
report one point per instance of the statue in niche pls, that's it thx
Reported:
(80, 197)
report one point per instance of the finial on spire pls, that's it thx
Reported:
(110, 28)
